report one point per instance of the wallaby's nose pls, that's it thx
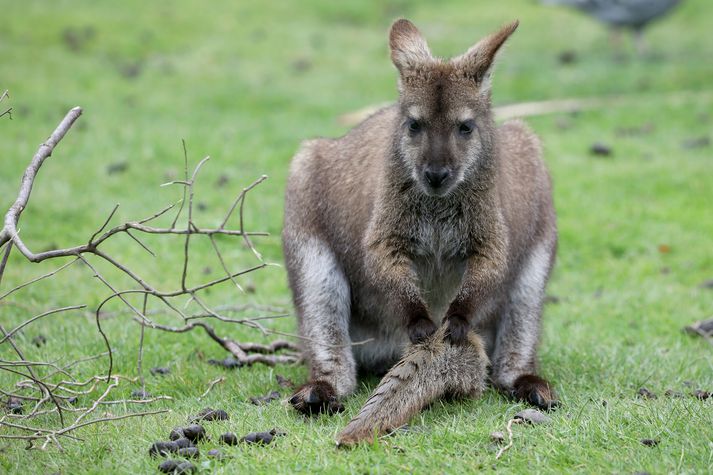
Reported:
(436, 176)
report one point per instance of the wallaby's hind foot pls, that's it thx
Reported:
(427, 372)
(316, 397)
(535, 391)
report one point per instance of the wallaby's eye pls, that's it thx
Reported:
(466, 128)
(414, 126)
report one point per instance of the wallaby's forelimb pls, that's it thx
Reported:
(427, 372)
(395, 271)
(484, 272)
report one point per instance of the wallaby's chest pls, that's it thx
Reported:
(439, 262)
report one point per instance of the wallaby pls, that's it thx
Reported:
(428, 371)
(425, 214)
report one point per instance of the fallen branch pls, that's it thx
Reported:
(45, 382)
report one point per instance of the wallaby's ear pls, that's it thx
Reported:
(408, 48)
(477, 62)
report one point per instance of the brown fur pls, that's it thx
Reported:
(427, 372)
(426, 214)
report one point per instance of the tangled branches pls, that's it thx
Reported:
(46, 383)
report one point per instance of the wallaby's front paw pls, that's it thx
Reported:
(535, 391)
(419, 330)
(458, 328)
(316, 397)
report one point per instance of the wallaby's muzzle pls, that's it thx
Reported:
(437, 180)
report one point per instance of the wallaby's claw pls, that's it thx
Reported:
(457, 331)
(419, 330)
(535, 391)
(316, 397)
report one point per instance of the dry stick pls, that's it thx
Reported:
(123, 228)
(9, 110)
(185, 176)
(19, 396)
(222, 263)
(141, 351)
(9, 230)
(102, 403)
(509, 429)
(34, 363)
(242, 203)
(189, 225)
(219, 308)
(238, 320)
(37, 317)
(6, 256)
(253, 322)
(235, 348)
(211, 385)
(37, 279)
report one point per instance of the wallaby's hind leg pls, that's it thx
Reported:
(514, 361)
(322, 298)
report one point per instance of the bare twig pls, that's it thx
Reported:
(211, 385)
(7, 111)
(37, 317)
(239, 350)
(5, 257)
(509, 444)
(9, 230)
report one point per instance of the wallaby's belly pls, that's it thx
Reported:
(380, 335)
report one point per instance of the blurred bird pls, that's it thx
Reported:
(620, 14)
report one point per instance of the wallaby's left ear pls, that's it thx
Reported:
(408, 48)
(477, 62)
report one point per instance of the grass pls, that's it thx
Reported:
(244, 82)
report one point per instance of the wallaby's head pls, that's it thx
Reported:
(445, 130)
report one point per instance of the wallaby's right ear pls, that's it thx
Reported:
(408, 48)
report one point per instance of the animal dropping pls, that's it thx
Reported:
(426, 215)
(161, 449)
(194, 433)
(177, 433)
(182, 443)
(264, 400)
(159, 370)
(229, 438)
(646, 394)
(189, 452)
(210, 414)
(258, 438)
(215, 453)
(169, 466)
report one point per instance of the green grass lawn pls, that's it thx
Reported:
(245, 82)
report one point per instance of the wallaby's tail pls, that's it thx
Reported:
(427, 372)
